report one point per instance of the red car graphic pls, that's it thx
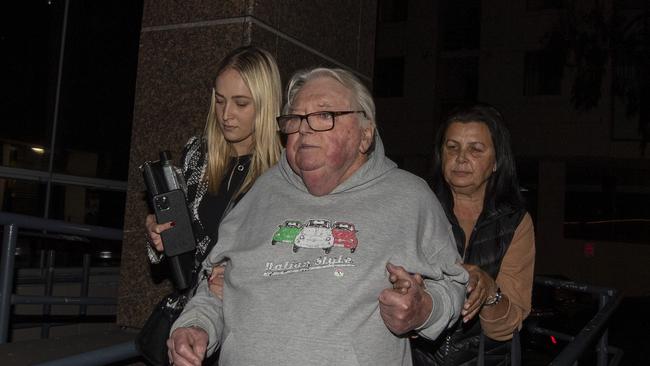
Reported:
(345, 235)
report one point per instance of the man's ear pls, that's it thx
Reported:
(367, 138)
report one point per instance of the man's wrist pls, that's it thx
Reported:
(427, 311)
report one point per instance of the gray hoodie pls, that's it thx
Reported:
(304, 273)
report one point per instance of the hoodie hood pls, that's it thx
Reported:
(376, 166)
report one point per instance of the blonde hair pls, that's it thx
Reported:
(259, 71)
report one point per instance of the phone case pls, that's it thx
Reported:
(171, 206)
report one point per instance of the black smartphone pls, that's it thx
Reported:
(165, 186)
(171, 206)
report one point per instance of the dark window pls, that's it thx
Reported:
(29, 37)
(528, 174)
(52, 174)
(632, 4)
(543, 71)
(458, 79)
(533, 5)
(392, 11)
(461, 24)
(22, 196)
(87, 205)
(96, 92)
(607, 203)
(389, 77)
(100, 66)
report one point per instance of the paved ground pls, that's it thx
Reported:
(628, 331)
(38, 351)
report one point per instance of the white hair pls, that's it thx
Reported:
(361, 96)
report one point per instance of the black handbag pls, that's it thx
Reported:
(454, 349)
(151, 342)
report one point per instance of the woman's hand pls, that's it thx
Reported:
(153, 231)
(216, 280)
(479, 287)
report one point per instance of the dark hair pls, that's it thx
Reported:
(502, 187)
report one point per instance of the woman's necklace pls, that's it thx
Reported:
(237, 166)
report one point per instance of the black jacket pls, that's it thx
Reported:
(194, 161)
(488, 243)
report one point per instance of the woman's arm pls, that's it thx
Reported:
(515, 280)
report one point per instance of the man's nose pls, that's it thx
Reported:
(304, 127)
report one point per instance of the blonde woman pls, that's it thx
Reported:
(240, 141)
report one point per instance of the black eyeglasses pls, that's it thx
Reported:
(317, 121)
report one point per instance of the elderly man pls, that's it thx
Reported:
(317, 250)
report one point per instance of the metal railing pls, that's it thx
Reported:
(594, 330)
(15, 222)
(103, 356)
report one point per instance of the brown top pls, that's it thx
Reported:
(515, 279)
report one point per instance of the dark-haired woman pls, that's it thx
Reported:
(476, 182)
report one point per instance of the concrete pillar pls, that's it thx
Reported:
(180, 45)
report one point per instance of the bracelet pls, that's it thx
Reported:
(494, 299)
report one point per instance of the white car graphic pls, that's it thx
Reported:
(317, 234)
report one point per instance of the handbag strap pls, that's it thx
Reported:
(197, 277)
(514, 349)
(481, 350)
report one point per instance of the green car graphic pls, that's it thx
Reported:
(287, 232)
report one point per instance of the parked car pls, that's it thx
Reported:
(345, 235)
(317, 234)
(287, 232)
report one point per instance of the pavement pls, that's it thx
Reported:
(628, 330)
(33, 352)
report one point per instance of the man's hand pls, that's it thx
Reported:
(406, 305)
(479, 287)
(187, 346)
(216, 280)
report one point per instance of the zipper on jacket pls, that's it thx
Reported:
(232, 172)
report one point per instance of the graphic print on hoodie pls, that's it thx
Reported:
(315, 234)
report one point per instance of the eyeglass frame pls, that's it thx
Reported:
(305, 117)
